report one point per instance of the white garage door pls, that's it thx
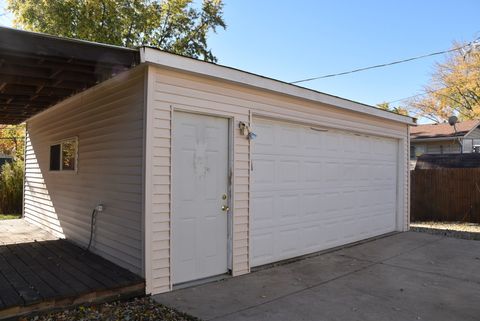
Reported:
(314, 189)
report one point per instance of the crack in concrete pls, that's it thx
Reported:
(308, 288)
(294, 292)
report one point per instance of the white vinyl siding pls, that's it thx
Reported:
(173, 90)
(108, 122)
(475, 134)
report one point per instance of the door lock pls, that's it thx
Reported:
(225, 208)
(224, 196)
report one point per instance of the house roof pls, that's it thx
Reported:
(38, 70)
(443, 130)
(432, 161)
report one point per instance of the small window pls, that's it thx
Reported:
(63, 156)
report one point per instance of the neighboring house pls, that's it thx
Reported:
(443, 139)
(203, 170)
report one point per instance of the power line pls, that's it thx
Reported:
(474, 44)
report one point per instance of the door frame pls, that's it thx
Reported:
(230, 185)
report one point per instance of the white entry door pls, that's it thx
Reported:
(315, 188)
(199, 192)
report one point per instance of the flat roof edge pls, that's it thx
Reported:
(433, 139)
(158, 57)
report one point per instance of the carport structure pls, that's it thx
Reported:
(37, 71)
(39, 270)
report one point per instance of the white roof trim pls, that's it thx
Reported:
(158, 57)
(435, 139)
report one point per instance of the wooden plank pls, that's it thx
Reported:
(44, 272)
(22, 287)
(8, 295)
(118, 273)
(95, 270)
(63, 272)
(72, 302)
(68, 284)
(64, 262)
(29, 273)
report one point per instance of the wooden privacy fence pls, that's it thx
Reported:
(446, 194)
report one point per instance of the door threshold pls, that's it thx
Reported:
(209, 279)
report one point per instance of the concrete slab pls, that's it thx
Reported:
(375, 293)
(220, 298)
(17, 231)
(389, 247)
(455, 258)
(387, 279)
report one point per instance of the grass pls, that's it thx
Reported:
(9, 216)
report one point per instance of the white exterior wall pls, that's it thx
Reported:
(109, 122)
(474, 134)
(471, 140)
(170, 90)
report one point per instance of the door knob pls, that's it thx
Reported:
(225, 208)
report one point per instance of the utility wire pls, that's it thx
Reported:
(474, 43)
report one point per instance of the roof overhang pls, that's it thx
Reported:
(435, 139)
(172, 61)
(39, 70)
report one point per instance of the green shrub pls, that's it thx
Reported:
(11, 187)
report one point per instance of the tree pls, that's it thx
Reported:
(12, 140)
(177, 26)
(395, 109)
(454, 88)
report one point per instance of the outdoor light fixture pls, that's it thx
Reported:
(245, 130)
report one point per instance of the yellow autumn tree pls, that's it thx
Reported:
(394, 109)
(454, 88)
(12, 140)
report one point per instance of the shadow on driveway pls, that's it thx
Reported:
(407, 276)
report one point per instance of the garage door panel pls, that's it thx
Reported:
(264, 205)
(263, 251)
(266, 172)
(312, 190)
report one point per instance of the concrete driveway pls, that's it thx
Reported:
(407, 276)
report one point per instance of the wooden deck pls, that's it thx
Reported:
(43, 274)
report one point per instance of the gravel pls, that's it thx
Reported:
(143, 309)
(454, 226)
(461, 230)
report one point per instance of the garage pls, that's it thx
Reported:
(205, 171)
(315, 188)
